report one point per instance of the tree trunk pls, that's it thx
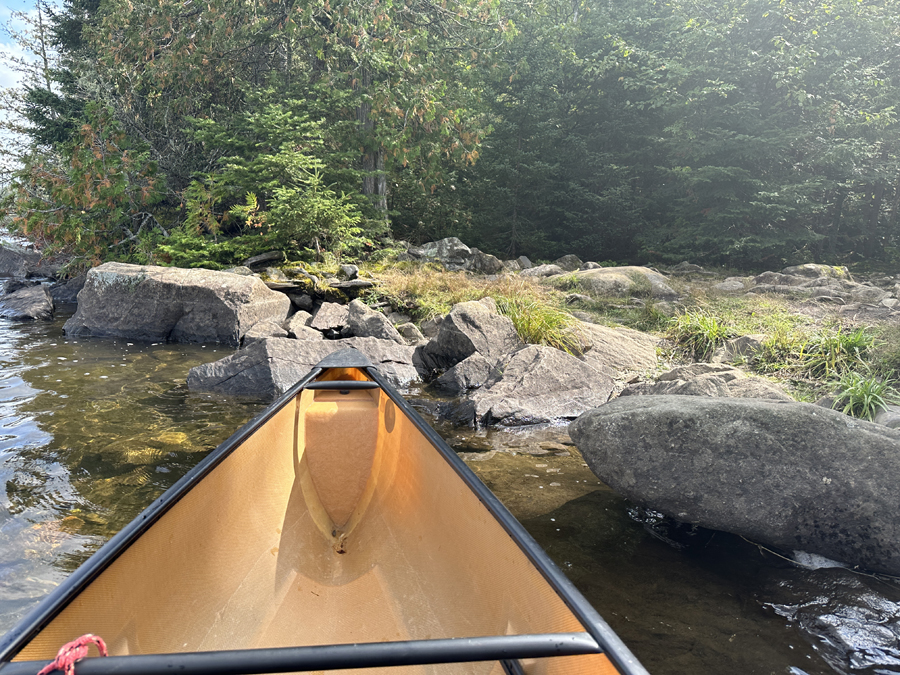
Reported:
(372, 162)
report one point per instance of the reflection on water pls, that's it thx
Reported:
(92, 431)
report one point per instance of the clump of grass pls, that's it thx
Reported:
(836, 352)
(863, 396)
(539, 323)
(698, 333)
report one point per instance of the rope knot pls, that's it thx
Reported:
(74, 651)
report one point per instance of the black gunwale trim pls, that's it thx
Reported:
(612, 645)
(331, 657)
(68, 590)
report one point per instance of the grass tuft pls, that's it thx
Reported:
(697, 334)
(863, 396)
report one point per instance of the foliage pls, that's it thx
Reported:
(187, 248)
(92, 198)
(698, 333)
(863, 396)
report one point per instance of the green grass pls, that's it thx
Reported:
(863, 396)
(833, 353)
(698, 333)
(541, 324)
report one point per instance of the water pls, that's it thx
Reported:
(91, 431)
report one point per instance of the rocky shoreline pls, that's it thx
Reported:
(697, 442)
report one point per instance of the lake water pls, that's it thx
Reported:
(91, 431)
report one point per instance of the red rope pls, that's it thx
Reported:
(73, 651)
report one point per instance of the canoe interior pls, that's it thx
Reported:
(336, 522)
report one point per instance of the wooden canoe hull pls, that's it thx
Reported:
(336, 520)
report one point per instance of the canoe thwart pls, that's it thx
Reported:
(342, 384)
(503, 648)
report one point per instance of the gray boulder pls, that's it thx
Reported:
(66, 292)
(27, 304)
(268, 368)
(535, 385)
(298, 327)
(349, 272)
(411, 334)
(524, 262)
(470, 327)
(789, 475)
(470, 373)
(742, 347)
(16, 261)
(484, 263)
(730, 285)
(625, 281)
(143, 302)
(569, 262)
(812, 270)
(263, 330)
(542, 271)
(363, 321)
(450, 252)
(708, 379)
(330, 318)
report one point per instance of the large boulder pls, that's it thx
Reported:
(16, 261)
(790, 475)
(450, 252)
(470, 327)
(363, 321)
(166, 303)
(268, 368)
(534, 385)
(625, 281)
(27, 304)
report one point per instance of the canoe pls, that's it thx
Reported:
(334, 531)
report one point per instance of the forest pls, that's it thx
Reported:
(744, 133)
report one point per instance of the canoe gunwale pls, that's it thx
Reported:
(502, 648)
(597, 638)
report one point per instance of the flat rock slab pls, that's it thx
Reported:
(27, 304)
(168, 303)
(268, 368)
(535, 385)
(791, 475)
(618, 349)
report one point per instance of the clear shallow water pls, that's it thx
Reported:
(91, 431)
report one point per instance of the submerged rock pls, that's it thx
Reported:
(168, 303)
(269, 367)
(789, 475)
